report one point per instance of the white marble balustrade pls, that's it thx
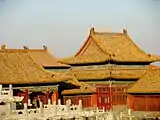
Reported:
(51, 111)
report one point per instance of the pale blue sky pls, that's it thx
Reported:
(63, 25)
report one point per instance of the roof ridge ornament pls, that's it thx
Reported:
(3, 47)
(25, 47)
(92, 32)
(125, 31)
(45, 47)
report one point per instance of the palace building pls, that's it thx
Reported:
(44, 58)
(30, 79)
(103, 73)
(111, 63)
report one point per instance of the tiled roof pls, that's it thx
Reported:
(89, 54)
(18, 67)
(109, 72)
(42, 57)
(101, 47)
(45, 58)
(84, 89)
(149, 83)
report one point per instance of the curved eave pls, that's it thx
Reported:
(74, 61)
(97, 74)
(84, 89)
(56, 65)
(81, 60)
(152, 58)
(99, 78)
(77, 93)
(143, 92)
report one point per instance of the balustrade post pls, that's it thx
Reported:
(41, 108)
(110, 115)
(0, 88)
(25, 110)
(54, 102)
(67, 105)
(69, 101)
(29, 102)
(129, 111)
(59, 101)
(10, 91)
(80, 106)
(49, 103)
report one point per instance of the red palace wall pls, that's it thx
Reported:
(104, 97)
(87, 100)
(119, 96)
(144, 102)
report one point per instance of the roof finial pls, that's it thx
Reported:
(92, 31)
(125, 31)
(44, 47)
(3, 47)
(26, 47)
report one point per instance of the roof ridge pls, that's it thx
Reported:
(136, 46)
(85, 42)
(29, 55)
(40, 66)
(44, 50)
(100, 47)
(93, 32)
(14, 50)
(55, 58)
(47, 51)
(117, 33)
(20, 49)
(34, 49)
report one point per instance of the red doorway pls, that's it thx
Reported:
(103, 96)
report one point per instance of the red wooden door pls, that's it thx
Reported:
(103, 96)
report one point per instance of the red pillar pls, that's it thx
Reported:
(110, 97)
(47, 96)
(19, 94)
(26, 95)
(55, 96)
